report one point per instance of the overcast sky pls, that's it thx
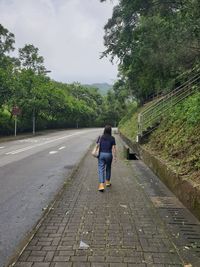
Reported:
(68, 33)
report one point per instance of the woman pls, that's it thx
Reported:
(107, 150)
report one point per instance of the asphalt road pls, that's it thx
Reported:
(32, 171)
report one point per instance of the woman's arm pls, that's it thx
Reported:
(114, 152)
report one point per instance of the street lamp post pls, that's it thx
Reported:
(33, 120)
(15, 112)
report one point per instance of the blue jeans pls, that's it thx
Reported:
(104, 166)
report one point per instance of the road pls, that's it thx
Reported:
(32, 171)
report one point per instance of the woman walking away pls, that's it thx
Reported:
(107, 151)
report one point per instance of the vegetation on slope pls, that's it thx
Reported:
(128, 125)
(177, 140)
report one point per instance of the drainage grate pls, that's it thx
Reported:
(184, 227)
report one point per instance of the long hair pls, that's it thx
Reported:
(107, 130)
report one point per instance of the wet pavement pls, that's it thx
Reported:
(129, 224)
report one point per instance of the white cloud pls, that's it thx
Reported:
(68, 33)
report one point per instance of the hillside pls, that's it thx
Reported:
(176, 140)
(103, 87)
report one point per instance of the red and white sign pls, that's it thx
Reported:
(16, 111)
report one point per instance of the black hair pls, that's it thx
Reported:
(107, 130)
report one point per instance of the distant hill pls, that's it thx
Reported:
(103, 87)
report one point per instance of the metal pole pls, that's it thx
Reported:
(139, 128)
(34, 121)
(15, 125)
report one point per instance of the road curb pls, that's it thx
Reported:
(29, 236)
(22, 136)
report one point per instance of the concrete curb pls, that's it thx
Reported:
(29, 236)
(21, 136)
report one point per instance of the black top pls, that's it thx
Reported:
(106, 143)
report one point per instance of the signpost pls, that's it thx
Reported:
(15, 112)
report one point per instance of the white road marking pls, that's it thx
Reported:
(29, 140)
(62, 147)
(2, 147)
(53, 152)
(44, 143)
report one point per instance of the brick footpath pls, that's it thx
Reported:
(86, 228)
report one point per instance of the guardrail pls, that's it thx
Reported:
(151, 116)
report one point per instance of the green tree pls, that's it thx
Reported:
(111, 110)
(31, 79)
(90, 101)
(155, 41)
(7, 41)
(30, 59)
(6, 64)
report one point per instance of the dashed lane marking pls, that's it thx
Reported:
(62, 147)
(53, 152)
(44, 143)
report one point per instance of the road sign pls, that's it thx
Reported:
(16, 111)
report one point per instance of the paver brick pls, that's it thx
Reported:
(64, 248)
(78, 258)
(55, 241)
(99, 264)
(49, 256)
(44, 243)
(133, 259)
(37, 253)
(35, 258)
(55, 235)
(114, 259)
(24, 264)
(49, 248)
(83, 252)
(63, 264)
(24, 256)
(141, 265)
(61, 258)
(81, 264)
(33, 242)
(96, 258)
(118, 265)
(66, 253)
(33, 248)
(41, 264)
(45, 239)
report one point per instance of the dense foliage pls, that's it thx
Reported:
(155, 41)
(42, 102)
